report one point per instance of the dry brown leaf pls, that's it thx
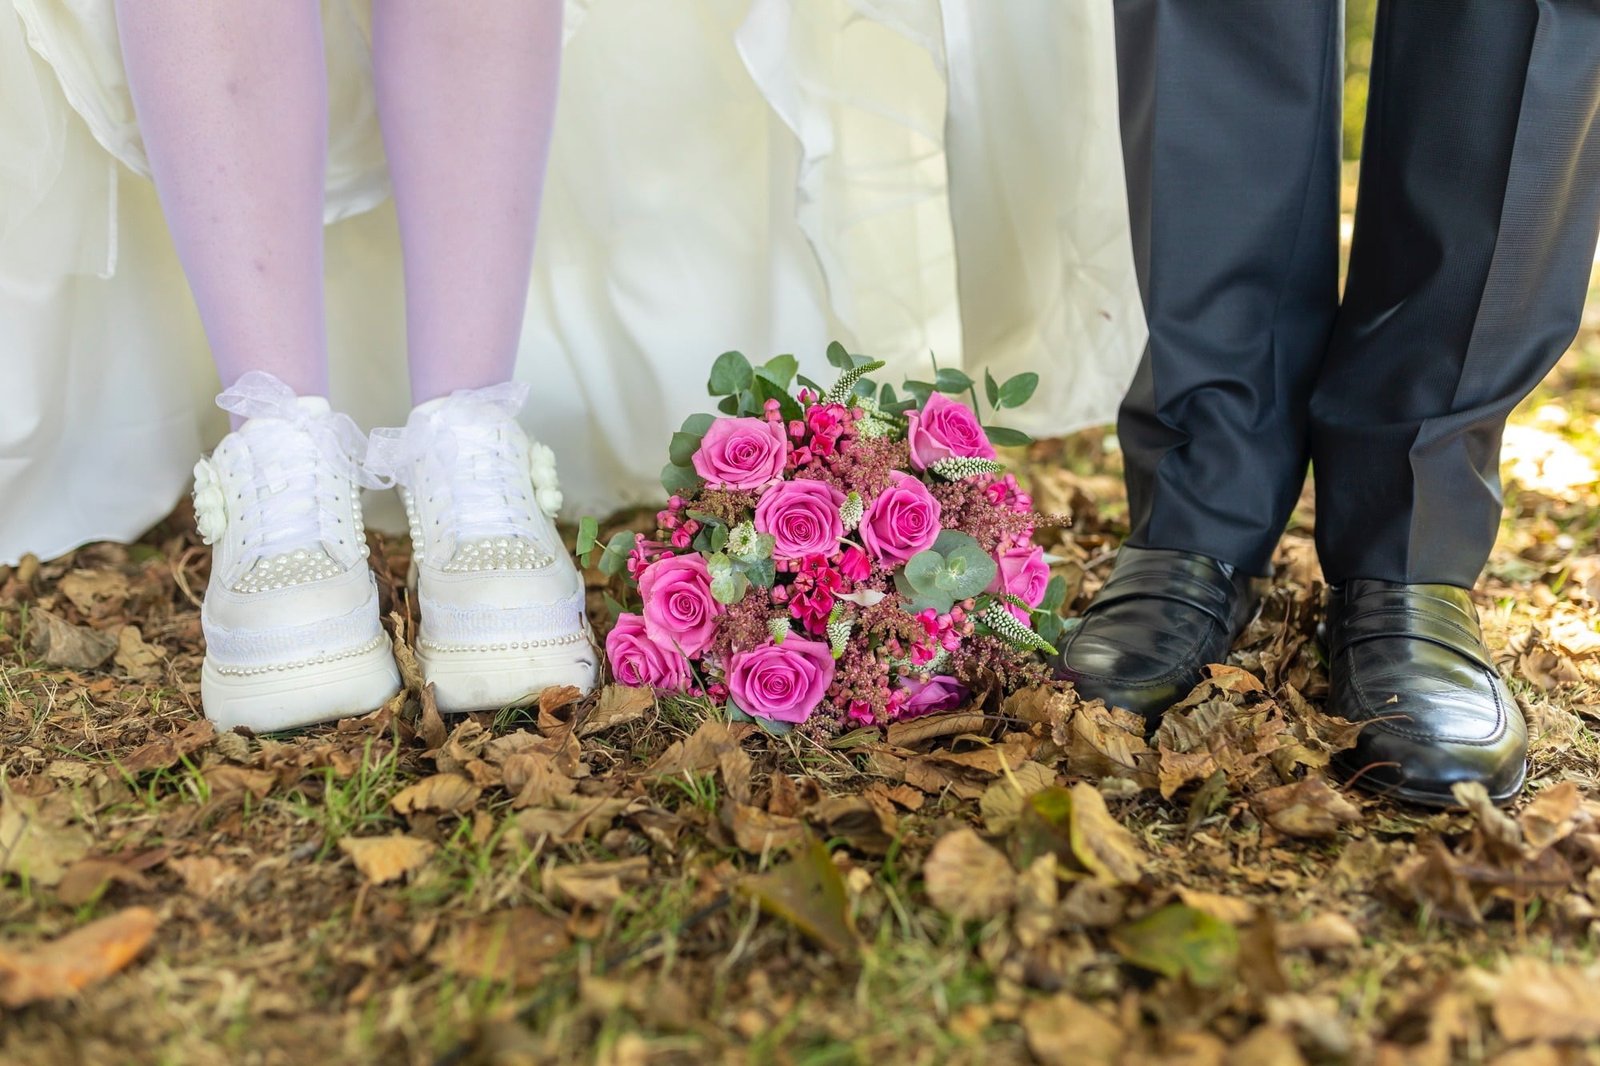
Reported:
(87, 589)
(430, 723)
(700, 753)
(60, 643)
(856, 820)
(1550, 817)
(1001, 802)
(757, 831)
(448, 793)
(588, 816)
(967, 878)
(618, 705)
(134, 657)
(510, 947)
(1307, 808)
(914, 731)
(1267, 1045)
(1537, 1000)
(1325, 932)
(600, 885)
(225, 780)
(85, 879)
(205, 876)
(1108, 742)
(35, 841)
(387, 858)
(1228, 909)
(69, 964)
(1064, 1031)
(165, 751)
(534, 779)
(1100, 842)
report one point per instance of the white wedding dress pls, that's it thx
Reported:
(906, 176)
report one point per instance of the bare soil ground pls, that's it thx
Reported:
(625, 881)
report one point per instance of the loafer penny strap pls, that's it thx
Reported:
(1444, 626)
(1158, 579)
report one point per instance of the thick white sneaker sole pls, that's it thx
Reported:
(272, 700)
(490, 678)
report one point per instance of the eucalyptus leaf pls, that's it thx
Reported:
(991, 391)
(780, 370)
(952, 381)
(678, 480)
(588, 534)
(729, 405)
(921, 390)
(719, 537)
(763, 573)
(922, 571)
(682, 449)
(1055, 595)
(839, 357)
(698, 424)
(1018, 390)
(1007, 438)
(730, 374)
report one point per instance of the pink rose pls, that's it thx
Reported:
(803, 518)
(945, 429)
(639, 662)
(939, 693)
(902, 521)
(854, 565)
(1023, 574)
(678, 609)
(742, 453)
(781, 682)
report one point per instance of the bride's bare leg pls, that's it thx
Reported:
(232, 103)
(466, 96)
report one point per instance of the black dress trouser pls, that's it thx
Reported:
(1476, 222)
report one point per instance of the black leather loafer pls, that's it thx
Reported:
(1159, 620)
(1410, 660)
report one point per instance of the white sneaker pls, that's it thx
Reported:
(291, 611)
(502, 604)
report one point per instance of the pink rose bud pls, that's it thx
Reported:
(854, 564)
(741, 453)
(939, 693)
(902, 521)
(781, 682)
(945, 429)
(678, 609)
(639, 662)
(803, 518)
(1023, 574)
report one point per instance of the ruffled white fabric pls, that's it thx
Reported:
(905, 176)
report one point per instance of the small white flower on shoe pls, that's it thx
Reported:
(546, 484)
(210, 502)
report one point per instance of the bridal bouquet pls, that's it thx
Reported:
(836, 557)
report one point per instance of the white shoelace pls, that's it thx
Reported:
(286, 506)
(489, 486)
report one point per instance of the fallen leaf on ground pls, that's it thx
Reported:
(618, 705)
(1180, 940)
(1538, 1000)
(386, 858)
(968, 878)
(508, 946)
(1064, 1031)
(700, 753)
(1325, 932)
(449, 793)
(69, 964)
(807, 892)
(1108, 742)
(857, 821)
(757, 831)
(1100, 842)
(134, 657)
(204, 876)
(165, 751)
(85, 878)
(1001, 802)
(35, 841)
(597, 884)
(914, 730)
(89, 588)
(1308, 808)
(60, 643)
